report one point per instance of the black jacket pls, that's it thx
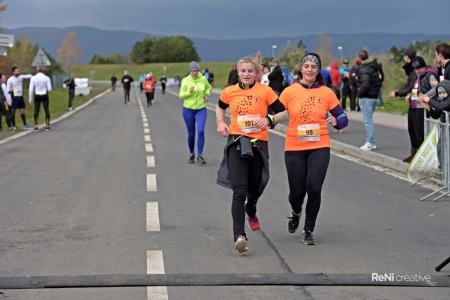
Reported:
(233, 77)
(276, 79)
(369, 81)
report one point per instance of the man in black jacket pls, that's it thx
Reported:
(442, 57)
(275, 76)
(408, 56)
(233, 77)
(369, 84)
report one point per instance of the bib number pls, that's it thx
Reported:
(247, 123)
(309, 132)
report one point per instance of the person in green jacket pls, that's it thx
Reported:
(195, 90)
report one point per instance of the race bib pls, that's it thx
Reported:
(247, 123)
(125, 80)
(441, 78)
(17, 92)
(414, 94)
(309, 132)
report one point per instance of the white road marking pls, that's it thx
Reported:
(150, 161)
(145, 125)
(148, 147)
(152, 217)
(147, 138)
(146, 130)
(155, 265)
(151, 183)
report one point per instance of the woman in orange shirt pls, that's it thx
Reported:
(245, 165)
(307, 146)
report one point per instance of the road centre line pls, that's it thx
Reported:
(149, 147)
(151, 183)
(153, 217)
(155, 265)
(150, 161)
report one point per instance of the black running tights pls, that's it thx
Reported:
(306, 172)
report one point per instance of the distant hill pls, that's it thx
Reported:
(98, 41)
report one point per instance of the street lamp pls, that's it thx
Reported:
(340, 49)
(273, 50)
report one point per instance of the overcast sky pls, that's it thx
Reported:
(234, 19)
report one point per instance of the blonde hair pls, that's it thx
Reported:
(253, 60)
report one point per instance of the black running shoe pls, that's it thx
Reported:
(201, 160)
(307, 238)
(293, 223)
(192, 158)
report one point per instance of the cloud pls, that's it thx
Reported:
(232, 19)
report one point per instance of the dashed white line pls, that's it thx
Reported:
(151, 183)
(153, 217)
(155, 265)
(150, 161)
(147, 138)
(148, 147)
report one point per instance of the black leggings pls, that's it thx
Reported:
(306, 172)
(5, 112)
(245, 176)
(38, 99)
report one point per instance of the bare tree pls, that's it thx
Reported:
(323, 48)
(70, 52)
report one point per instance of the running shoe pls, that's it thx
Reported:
(191, 159)
(26, 127)
(241, 244)
(253, 223)
(47, 128)
(293, 222)
(308, 238)
(15, 128)
(36, 128)
(201, 160)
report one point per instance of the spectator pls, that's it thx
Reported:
(265, 76)
(5, 102)
(326, 76)
(380, 94)
(408, 55)
(70, 83)
(345, 86)
(294, 75)
(233, 77)
(368, 89)
(353, 80)
(211, 79)
(336, 78)
(442, 56)
(276, 76)
(163, 84)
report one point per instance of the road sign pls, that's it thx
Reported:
(41, 59)
(6, 40)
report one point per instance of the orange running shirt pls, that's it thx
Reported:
(148, 85)
(307, 109)
(246, 106)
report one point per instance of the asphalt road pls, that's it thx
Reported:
(77, 201)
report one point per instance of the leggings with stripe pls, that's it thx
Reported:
(306, 172)
(191, 117)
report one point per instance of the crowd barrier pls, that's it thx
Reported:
(433, 157)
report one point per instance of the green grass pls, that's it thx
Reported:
(59, 99)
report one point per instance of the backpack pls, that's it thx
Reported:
(286, 79)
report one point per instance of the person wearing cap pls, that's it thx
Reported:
(435, 108)
(194, 91)
(311, 106)
(345, 85)
(421, 90)
(408, 55)
(369, 84)
(245, 163)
